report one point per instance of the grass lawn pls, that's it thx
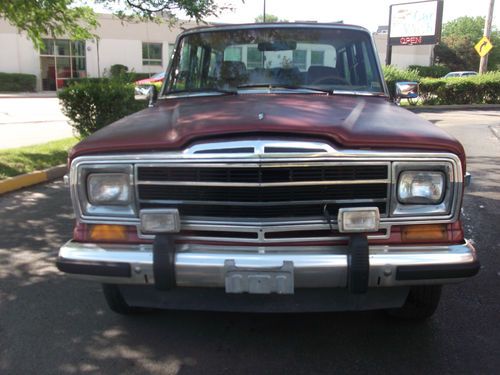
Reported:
(15, 161)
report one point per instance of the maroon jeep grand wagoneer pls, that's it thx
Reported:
(273, 173)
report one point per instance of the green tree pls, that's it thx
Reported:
(269, 18)
(56, 18)
(457, 44)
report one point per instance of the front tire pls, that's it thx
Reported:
(421, 303)
(117, 302)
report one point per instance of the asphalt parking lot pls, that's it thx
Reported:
(50, 324)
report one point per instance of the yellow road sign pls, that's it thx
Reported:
(483, 46)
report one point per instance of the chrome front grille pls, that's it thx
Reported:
(263, 191)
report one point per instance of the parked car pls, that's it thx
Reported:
(143, 86)
(460, 74)
(272, 174)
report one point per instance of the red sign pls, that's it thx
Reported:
(410, 40)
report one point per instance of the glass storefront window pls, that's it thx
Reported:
(62, 60)
(152, 53)
(78, 64)
(78, 48)
(48, 47)
(62, 47)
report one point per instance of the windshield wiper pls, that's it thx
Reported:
(287, 87)
(204, 91)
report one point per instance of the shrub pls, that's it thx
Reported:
(393, 74)
(117, 70)
(17, 82)
(92, 104)
(435, 71)
(480, 89)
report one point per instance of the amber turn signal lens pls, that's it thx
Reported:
(107, 232)
(424, 232)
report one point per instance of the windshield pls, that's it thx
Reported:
(334, 59)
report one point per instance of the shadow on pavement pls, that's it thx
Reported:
(52, 324)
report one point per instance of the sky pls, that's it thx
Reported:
(367, 13)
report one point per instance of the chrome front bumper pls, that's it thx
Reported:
(314, 266)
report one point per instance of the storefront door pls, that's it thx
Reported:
(61, 60)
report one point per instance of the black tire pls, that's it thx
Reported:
(421, 303)
(116, 301)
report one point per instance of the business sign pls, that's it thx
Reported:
(483, 47)
(415, 23)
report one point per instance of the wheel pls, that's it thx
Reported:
(117, 303)
(421, 303)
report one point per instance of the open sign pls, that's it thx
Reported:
(410, 40)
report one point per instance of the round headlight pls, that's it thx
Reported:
(112, 188)
(421, 187)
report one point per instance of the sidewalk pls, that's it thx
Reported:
(37, 94)
(26, 121)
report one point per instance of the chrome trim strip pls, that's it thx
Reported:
(259, 146)
(273, 203)
(314, 266)
(263, 184)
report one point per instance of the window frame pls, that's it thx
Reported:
(148, 60)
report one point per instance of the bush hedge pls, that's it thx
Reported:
(480, 89)
(91, 104)
(17, 82)
(435, 71)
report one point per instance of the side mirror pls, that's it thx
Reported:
(406, 90)
(152, 96)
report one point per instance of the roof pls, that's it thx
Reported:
(271, 25)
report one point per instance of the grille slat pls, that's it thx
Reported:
(263, 175)
(289, 192)
(262, 195)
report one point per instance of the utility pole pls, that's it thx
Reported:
(264, 13)
(483, 64)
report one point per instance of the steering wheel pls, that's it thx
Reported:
(335, 79)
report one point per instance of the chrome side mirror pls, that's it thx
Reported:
(152, 95)
(406, 90)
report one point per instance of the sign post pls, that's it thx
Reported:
(483, 63)
(413, 24)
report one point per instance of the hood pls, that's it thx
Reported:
(344, 121)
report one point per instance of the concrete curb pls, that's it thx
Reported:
(28, 95)
(32, 178)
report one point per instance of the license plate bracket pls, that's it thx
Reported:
(277, 280)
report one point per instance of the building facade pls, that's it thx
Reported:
(144, 47)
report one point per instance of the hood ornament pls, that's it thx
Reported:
(261, 116)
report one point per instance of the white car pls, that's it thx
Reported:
(460, 74)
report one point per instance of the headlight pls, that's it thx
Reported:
(108, 188)
(420, 187)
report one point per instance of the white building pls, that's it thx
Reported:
(144, 47)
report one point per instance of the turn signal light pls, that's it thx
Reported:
(104, 232)
(424, 232)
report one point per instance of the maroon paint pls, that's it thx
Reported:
(345, 121)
